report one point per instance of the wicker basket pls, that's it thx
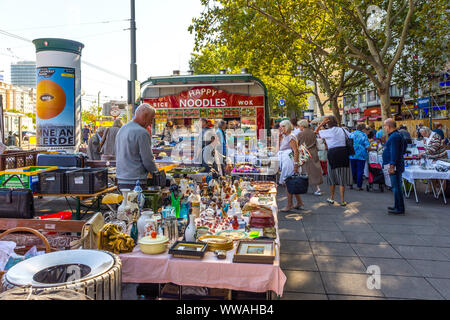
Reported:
(22, 251)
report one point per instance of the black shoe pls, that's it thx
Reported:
(391, 208)
(396, 212)
(351, 187)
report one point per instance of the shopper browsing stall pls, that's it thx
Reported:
(289, 161)
(434, 145)
(358, 160)
(338, 169)
(312, 167)
(93, 150)
(134, 149)
(108, 143)
(393, 157)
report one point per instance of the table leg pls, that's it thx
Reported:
(78, 208)
(269, 295)
(415, 191)
(441, 189)
(180, 292)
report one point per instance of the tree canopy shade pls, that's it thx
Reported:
(337, 44)
(375, 33)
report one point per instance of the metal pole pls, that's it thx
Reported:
(98, 100)
(133, 66)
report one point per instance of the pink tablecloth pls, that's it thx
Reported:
(211, 272)
(138, 267)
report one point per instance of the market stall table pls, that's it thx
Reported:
(413, 173)
(211, 272)
(80, 197)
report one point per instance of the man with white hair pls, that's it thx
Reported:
(134, 156)
(93, 150)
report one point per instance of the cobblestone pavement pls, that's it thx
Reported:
(327, 249)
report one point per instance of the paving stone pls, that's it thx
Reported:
(325, 236)
(430, 230)
(445, 251)
(348, 284)
(421, 253)
(404, 239)
(408, 287)
(304, 262)
(437, 241)
(354, 227)
(295, 247)
(364, 237)
(340, 264)
(303, 281)
(441, 285)
(323, 226)
(303, 296)
(391, 228)
(332, 249)
(289, 233)
(394, 267)
(432, 269)
(375, 251)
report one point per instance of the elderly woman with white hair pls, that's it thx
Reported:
(434, 146)
(289, 158)
(312, 166)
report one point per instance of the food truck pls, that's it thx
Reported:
(239, 99)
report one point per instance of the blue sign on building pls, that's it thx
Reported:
(281, 103)
(423, 102)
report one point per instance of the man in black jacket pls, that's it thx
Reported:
(393, 156)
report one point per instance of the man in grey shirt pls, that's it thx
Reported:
(134, 156)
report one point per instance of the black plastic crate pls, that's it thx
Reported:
(87, 181)
(53, 182)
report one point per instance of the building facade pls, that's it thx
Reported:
(23, 73)
(365, 106)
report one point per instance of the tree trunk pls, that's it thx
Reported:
(335, 109)
(385, 100)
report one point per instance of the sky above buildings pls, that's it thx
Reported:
(163, 42)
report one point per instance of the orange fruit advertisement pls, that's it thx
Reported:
(51, 99)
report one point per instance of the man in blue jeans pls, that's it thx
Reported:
(393, 156)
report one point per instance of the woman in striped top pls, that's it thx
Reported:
(434, 146)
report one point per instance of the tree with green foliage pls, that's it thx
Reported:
(375, 33)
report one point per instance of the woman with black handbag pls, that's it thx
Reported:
(289, 161)
(339, 150)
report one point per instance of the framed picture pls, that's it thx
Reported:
(190, 250)
(255, 251)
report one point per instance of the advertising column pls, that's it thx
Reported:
(58, 94)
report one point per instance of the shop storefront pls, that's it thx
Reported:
(241, 100)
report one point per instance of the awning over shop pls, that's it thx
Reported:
(374, 118)
(362, 118)
(371, 112)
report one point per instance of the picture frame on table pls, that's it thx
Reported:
(255, 251)
(189, 250)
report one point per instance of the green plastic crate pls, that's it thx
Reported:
(26, 177)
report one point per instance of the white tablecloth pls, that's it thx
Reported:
(415, 173)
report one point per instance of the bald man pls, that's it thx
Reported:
(134, 156)
(393, 158)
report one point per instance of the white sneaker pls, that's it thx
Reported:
(318, 193)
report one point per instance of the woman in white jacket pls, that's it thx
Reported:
(289, 158)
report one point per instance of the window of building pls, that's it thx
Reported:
(362, 98)
(372, 95)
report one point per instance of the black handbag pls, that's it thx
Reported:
(16, 203)
(349, 144)
(297, 184)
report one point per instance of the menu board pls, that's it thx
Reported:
(203, 113)
(161, 113)
(215, 113)
(248, 112)
(231, 113)
(175, 113)
(192, 113)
